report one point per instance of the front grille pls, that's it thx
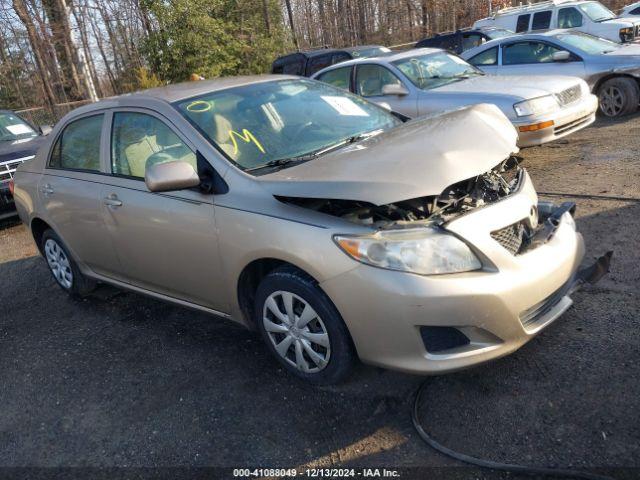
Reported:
(569, 95)
(8, 168)
(510, 237)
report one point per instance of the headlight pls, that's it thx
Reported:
(425, 251)
(626, 34)
(536, 106)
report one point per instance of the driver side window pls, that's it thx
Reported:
(139, 140)
(527, 53)
(371, 78)
(569, 18)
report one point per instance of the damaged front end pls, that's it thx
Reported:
(434, 210)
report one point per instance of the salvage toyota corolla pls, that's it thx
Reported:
(311, 215)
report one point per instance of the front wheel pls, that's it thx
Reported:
(302, 328)
(618, 96)
(64, 269)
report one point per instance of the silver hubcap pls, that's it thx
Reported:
(612, 101)
(296, 331)
(58, 263)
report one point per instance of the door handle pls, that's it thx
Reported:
(112, 201)
(46, 189)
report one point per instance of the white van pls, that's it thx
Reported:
(586, 16)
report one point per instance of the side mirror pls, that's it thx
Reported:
(45, 129)
(395, 89)
(561, 56)
(164, 177)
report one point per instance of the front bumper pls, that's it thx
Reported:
(565, 121)
(385, 310)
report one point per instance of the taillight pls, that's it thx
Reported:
(12, 186)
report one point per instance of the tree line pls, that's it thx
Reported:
(55, 54)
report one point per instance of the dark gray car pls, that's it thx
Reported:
(612, 70)
(19, 141)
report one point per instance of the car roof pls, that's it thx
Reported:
(181, 91)
(357, 48)
(390, 57)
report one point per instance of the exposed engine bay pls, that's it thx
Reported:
(455, 200)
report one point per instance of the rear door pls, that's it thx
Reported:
(69, 191)
(167, 242)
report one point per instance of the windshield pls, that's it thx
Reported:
(370, 52)
(498, 33)
(588, 43)
(270, 122)
(435, 69)
(14, 128)
(596, 11)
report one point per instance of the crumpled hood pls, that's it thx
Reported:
(417, 159)
(510, 86)
(20, 148)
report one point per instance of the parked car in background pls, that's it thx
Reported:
(464, 39)
(308, 62)
(611, 70)
(426, 81)
(632, 10)
(585, 16)
(339, 231)
(19, 141)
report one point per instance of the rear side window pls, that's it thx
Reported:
(488, 57)
(541, 20)
(340, 77)
(569, 18)
(139, 140)
(318, 63)
(340, 57)
(523, 23)
(527, 53)
(78, 146)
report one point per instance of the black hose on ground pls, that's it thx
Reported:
(480, 462)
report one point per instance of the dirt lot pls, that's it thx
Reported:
(122, 380)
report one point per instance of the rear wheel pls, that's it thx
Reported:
(618, 96)
(302, 328)
(64, 269)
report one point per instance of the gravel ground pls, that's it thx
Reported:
(120, 380)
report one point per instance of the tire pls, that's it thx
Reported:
(618, 96)
(320, 352)
(63, 267)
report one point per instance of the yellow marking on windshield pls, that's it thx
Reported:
(247, 137)
(199, 106)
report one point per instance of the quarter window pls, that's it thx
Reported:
(635, 11)
(78, 146)
(139, 140)
(371, 78)
(523, 23)
(569, 18)
(488, 57)
(528, 52)
(340, 77)
(541, 20)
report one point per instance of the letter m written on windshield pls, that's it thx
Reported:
(246, 136)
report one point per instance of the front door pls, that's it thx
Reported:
(370, 80)
(69, 191)
(166, 242)
(536, 58)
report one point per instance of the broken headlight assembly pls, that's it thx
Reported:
(536, 106)
(425, 251)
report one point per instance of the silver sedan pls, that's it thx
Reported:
(428, 81)
(612, 70)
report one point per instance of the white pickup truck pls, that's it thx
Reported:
(586, 16)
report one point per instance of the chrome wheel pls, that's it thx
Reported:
(58, 263)
(612, 101)
(296, 331)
